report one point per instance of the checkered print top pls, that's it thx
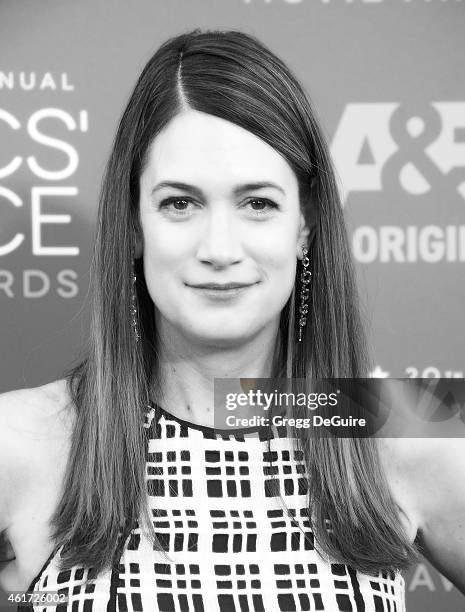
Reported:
(232, 545)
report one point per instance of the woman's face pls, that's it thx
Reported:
(218, 205)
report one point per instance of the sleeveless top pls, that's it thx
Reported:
(232, 545)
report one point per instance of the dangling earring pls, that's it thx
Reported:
(290, 334)
(304, 292)
(149, 415)
(135, 326)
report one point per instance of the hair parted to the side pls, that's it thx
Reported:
(234, 76)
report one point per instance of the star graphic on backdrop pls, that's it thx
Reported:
(378, 372)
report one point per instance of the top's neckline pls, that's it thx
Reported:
(206, 429)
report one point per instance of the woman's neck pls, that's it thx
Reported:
(187, 370)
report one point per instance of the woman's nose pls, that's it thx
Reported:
(219, 243)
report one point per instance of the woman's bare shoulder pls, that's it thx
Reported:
(35, 434)
(42, 410)
(393, 453)
(36, 427)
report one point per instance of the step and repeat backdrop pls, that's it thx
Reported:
(386, 78)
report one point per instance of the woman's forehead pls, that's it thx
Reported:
(195, 145)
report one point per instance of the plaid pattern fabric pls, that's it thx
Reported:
(232, 545)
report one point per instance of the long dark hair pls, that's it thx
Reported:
(231, 75)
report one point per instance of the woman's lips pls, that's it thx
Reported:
(221, 292)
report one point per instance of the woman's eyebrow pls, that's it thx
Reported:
(199, 193)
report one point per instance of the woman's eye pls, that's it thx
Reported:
(177, 205)
(260, 205)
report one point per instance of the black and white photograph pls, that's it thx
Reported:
(232, 297)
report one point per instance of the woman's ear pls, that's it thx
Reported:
(307, 228)
(306, 234)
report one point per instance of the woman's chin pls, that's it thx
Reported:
(220, 337)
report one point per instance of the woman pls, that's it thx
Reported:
(220, 251)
